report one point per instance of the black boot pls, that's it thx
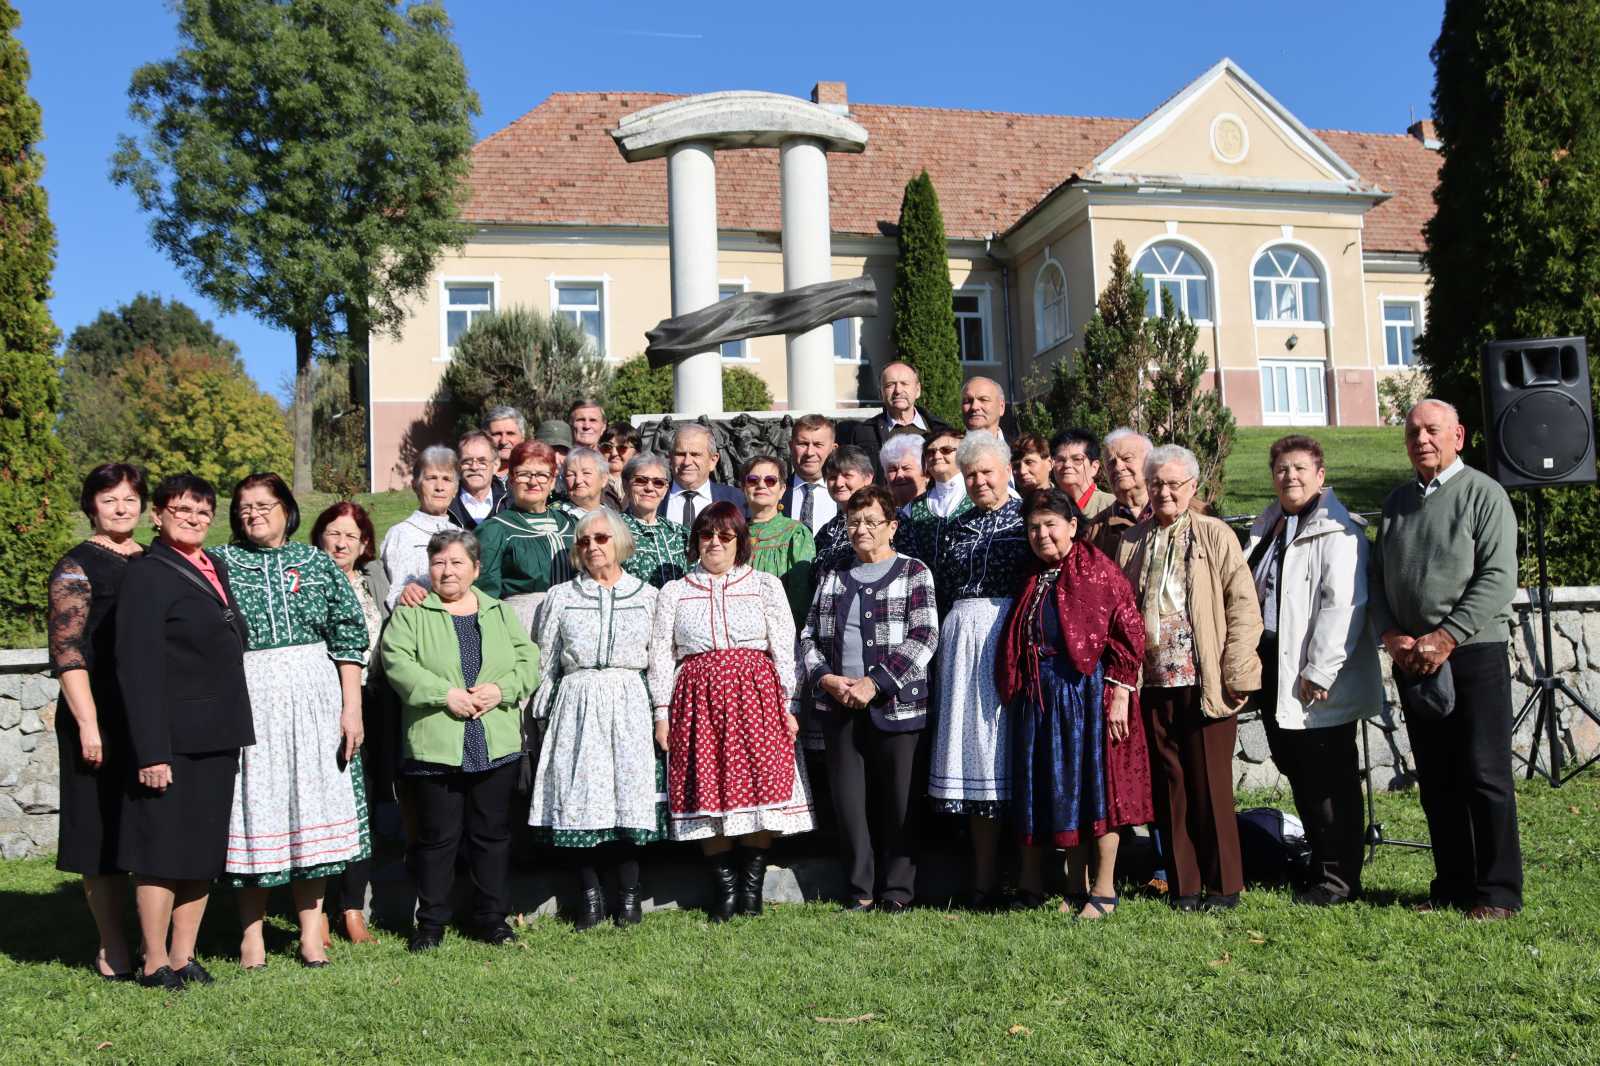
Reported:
(592, 911)
(724, 887)
(752, 879)
(628, 912)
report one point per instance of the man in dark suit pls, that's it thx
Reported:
(481, 494)
(806, 499)
(900, 388)
(694, 456)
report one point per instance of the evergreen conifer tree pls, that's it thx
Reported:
(924, 332)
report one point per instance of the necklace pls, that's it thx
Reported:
(127, 547)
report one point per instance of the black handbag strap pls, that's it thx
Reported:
(191, 575)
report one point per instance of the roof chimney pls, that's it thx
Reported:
(1424, 131)
(831, 95)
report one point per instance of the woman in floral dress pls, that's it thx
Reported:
(660, 546)
(525, 547)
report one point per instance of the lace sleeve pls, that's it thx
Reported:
(70, 594)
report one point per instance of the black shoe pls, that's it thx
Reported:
(163, 979)
(856, 906)
(314, 964)
(724, 888)
(1220, 902)
(94, 964)
(1025, 901)
(425, 939)
(1185, 903)
(752, 880)
(1320, 896)
(893, 906)
(194, 974)
(985, 902)
(628, 911)
(592, 911)
(497, 934)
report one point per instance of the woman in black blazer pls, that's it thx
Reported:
(180, 643)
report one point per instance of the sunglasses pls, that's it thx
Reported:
(717, 534)
(771, 481)
(659, 483)
(587, 539)
(950, 450)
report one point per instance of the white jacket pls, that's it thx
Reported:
(1324, 634)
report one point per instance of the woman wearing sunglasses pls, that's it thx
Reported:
(722, 672)
(660, 547)
(779, 545)
(599, 777)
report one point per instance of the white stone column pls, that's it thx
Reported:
(692, 228)
(807, 259)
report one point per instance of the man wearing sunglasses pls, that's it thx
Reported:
(694, 457)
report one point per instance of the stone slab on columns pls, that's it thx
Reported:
(692, 227)
(739, 119)
(807, 260)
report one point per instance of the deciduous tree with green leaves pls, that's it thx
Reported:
(1514, 244)
(36, 495)
(305, 162)
(924, 330)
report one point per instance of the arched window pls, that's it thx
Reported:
(1171, 268)
(1287, 286)
(1049, 306)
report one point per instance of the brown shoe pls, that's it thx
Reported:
(355, 928)
(1483, 912)
(1429, 906)
(1156, 887)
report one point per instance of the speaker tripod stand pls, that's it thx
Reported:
(1541, 701)
(1375, 835)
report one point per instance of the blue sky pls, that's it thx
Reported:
(1358, 65)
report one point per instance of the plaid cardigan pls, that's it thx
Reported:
(898, 644)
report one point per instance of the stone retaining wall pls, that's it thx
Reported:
(29, 766)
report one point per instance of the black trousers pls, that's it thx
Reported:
(882, 819)
(450, 809)
(1464, 776)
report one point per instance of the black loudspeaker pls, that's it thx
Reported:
(1538, 412)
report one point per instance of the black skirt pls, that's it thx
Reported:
(91, 800)
(181, 834)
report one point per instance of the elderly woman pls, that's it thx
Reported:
(584, 475)
(619, 443)
(300, 812)
(1319, 659)
(721, 677)
(344, 531)
(1068, 666)
(780, 545)
(901, 458)
(1202, 624)
(660, 547)
(868, 640)
(525, 547)
(849, 468)
(461, 664)
(405, 547)
(945, 497)
(599, 782)
(180, 662)
(1030, 464)
(89, 716)
(982, 556)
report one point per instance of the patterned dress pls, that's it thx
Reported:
(600, 776)
(834, 550)
(524, 555)
(723, 648)
(921, 527)
(784, 548)
(660, 550)
(298, 813)
(404, 551)
(983, 556)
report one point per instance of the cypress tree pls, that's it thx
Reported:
(36, 498)
(1514, 246)
(924, 333)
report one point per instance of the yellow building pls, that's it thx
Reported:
(1297, 252)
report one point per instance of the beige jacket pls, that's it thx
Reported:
(1223, 609)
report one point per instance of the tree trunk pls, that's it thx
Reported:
(303, 400)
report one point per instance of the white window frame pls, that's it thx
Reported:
(981, 291)
(604, 282)
(1042, 341)
(1325, 297)
(1207, 271)
(1413, 301)
(743, 285)
(461, 281)
(1317, 367)
(853, 329)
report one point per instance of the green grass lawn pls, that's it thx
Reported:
(1271, 982)
(1363, 465)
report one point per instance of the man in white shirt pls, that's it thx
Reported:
(588, 421)
(900, 388)
(481, 495)
(807, 498)
(507, 428)
(694, 457)
(982, 405)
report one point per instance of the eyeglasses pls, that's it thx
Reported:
(947, 450)
(587, 539)
(717, 534)
(191, 514)
(248, 509)
(1170, 486)
(474, 462)
(660, 484)
(873, 524)
(530, 477)
(1072, 460)
(769, 480)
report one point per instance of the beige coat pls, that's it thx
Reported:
(1223, 610)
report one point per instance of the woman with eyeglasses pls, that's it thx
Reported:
(1202, 625)
(619, 443)
(525, 547)
(779, 545)
(300, 812)
(722, 674)
(599, 779)
(924, 518)
(660, 546)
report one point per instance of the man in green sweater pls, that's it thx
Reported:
(1443, 573)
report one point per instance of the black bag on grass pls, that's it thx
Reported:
(1273, 847)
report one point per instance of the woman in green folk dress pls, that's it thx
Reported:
(299, 812)
(524, 548)
(660, 547)
(780, 545)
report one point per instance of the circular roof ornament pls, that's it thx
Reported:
(1230, 142)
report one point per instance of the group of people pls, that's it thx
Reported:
(607, 644)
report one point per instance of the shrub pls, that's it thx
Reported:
(538, 363)
(1399, 392)
(638, 390)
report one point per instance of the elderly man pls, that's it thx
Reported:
(1125, 452)
(807, 498)
(1075, 469)
(587, 420)
(900, 388)
(481, 495)
(982, 405)
(507, 428)
(694, 457)
(1444, 569)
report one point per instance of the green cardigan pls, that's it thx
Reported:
(422, 661)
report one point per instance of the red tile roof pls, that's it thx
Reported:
(557, 165)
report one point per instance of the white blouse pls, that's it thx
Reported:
(703, 612)
(585, 626)
(405, 551)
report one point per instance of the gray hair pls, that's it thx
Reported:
(503, 412)
(849, 459)
(1446, 404)
(446, 537)
(472, 435)
(590, 456)
(433, 457)
(978, 443)
(1170, 453)
(643, 461)
(1123, 433)
(901, 446)
(614, 525)
(694, 427)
